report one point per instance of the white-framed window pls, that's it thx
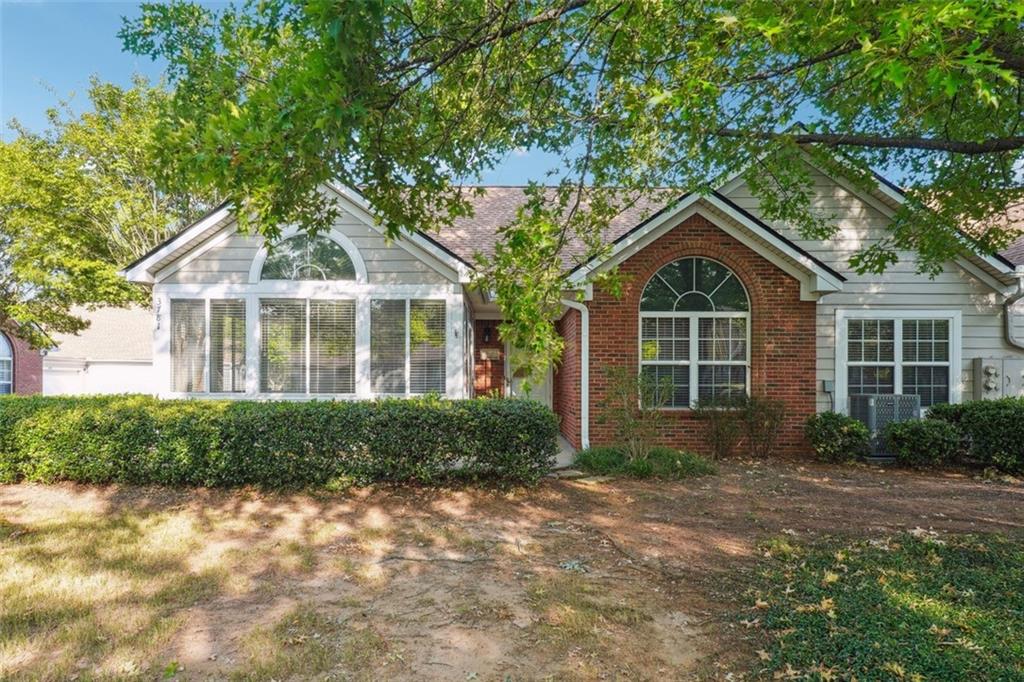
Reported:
(307, 346)
(695, 332)
(898, 351)
(407, 346)
(305, 258)
(6, 365)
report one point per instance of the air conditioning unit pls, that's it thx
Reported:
(878, 410)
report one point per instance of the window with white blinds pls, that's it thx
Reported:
(282, 346)
(426, 346)
(307, 346)
(227, 346)
(407, 346)
(188, 345)
(388, 344)
(332, 346)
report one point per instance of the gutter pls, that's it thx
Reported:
(1008, 330)
(585, 370)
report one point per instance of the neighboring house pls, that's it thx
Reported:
(21, 366)
(716, 301)
(113, 355)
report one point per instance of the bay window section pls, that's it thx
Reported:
(227, 346)
(188, 345)
(407, 346)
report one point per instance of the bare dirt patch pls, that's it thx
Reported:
(620, 579)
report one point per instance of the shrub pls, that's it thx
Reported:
(993, 430)
(762, 419)
(836, 437)
(922, 442)
(133, 439)
(723, 423)
(660, 463)
(634, 409)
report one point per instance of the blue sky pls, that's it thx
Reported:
(48, 50)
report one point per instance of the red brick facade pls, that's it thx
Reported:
(488, 359)
(28, 367)
(566, 389)
(782, 349)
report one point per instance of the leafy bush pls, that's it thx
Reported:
(723, 425)
(923, 442)
(762, 419)
(134, 439)
(993, 430)
(634, 409)
(836, 437)
(660, 463)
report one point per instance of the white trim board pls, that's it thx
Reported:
(139, 272)
(955, 318)
(815, 279)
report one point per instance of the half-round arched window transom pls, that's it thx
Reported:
(694, 285)
(308, 258)
(6, 365)
(694, 334)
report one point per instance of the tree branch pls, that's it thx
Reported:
(510, 30)
(966, 147)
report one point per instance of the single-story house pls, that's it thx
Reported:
(114, 355)
(717, 301)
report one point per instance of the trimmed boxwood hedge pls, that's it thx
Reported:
(992, 430)
(923, 442)
(143, 440)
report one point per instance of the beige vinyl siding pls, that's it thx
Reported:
(861, 224)
(230, 260)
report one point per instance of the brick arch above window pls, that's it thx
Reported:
(6, 365)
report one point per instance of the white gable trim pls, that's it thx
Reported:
(256, 269)
(814, 278)
(139, 271)
(421, 247)
(214, 240)
(414, 242)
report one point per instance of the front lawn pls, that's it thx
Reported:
(914, 606)
(588, 579)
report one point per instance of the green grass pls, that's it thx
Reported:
(911, 607)
(661, 463)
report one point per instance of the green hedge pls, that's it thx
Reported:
(923, 442)
(836, 437)
(993, 431)
(134, 439)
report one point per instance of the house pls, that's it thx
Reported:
(21, 366)
(717, 301)
(113, 355)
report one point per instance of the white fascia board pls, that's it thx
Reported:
(822, 281)
(423, 246)
(198, 251)
(140, 271)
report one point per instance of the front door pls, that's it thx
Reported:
(519, 387)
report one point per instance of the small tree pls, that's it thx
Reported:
(634, 407)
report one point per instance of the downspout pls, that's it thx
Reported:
(1009, 332)
(584, 370)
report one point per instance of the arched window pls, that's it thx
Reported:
(308, 258)
(694, 329)
(6, 365)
